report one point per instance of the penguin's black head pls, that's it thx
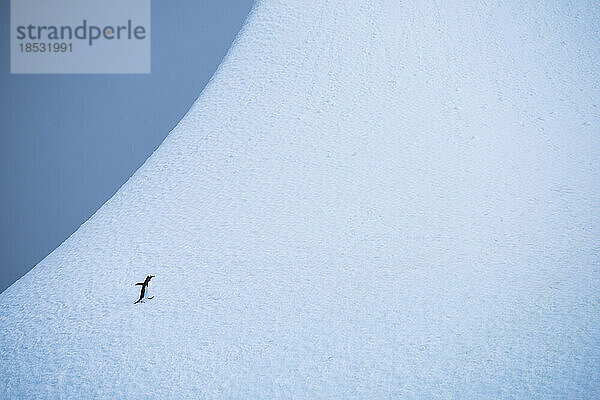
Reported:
(150, 277)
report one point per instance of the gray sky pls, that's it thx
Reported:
(68, 142)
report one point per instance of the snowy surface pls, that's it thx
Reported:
(371, 199)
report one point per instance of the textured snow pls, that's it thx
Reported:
(370, 199)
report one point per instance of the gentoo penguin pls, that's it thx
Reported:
(144, 285)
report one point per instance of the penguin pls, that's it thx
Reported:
(144, 285)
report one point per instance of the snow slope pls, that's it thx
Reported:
(370, 199)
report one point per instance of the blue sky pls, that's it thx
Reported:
(68, 142)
